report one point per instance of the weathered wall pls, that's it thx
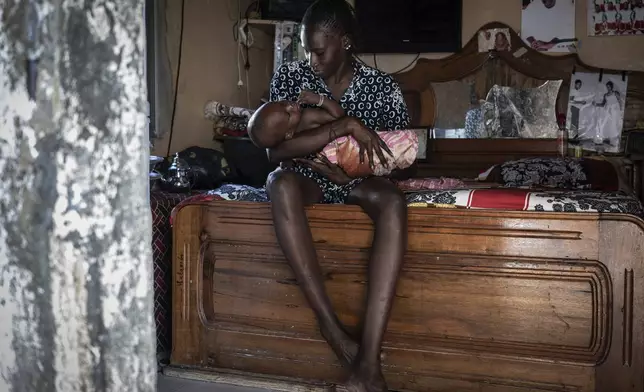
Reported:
(75, 227)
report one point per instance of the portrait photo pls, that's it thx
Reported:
(494, 39)
(596, 110)
(548, 25)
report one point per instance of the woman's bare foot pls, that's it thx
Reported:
(344, 347)
(366, 378)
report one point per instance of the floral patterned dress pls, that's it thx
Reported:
(373, 97)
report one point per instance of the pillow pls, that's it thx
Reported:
(345, 152)
(562, 173)
(595, 173)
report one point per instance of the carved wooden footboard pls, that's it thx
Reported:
(487, 300)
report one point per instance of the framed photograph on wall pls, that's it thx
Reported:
(548, 25)
(494, 39)
(595, 115)
(615, 17)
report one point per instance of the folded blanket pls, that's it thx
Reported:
(425, 184)
(227, 119)
(345, 152)
(213, 110)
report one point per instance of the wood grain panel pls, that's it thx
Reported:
(490, 301)
(515, 312)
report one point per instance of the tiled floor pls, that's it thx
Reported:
(172, 384)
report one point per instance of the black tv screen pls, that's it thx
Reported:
(409, 26)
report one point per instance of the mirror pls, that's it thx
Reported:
(506, 112)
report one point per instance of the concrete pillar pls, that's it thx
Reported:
(75, 226)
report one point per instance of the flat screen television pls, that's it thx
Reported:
(292, 10)
(409, 26)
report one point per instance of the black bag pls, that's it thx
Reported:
(209, 167)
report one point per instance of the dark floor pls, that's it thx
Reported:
(173, 384)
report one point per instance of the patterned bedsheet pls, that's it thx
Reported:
(509, 199)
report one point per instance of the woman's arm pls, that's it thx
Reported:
(333, 108)
(328, 104)
(311, 141)
(313, 118)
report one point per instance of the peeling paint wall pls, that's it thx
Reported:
(75, 227)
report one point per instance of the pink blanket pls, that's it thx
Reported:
(345, 152)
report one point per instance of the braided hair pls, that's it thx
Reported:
(332, 15)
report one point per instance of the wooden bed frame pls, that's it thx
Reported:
(488, 300)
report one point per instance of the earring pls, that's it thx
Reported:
(347, 47)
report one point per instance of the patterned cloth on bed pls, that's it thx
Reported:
(489, 198)
(511, 199)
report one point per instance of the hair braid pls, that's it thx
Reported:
(335, 15)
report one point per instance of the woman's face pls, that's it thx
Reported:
(609, 87)
(324, 50)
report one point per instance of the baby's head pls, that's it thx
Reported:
(273, 123)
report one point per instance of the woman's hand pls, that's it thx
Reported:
(323, 166)
(309, 98)
(369, 142)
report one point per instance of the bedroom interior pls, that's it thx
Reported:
(494, 297)
(210, 52)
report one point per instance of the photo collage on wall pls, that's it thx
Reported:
(596, 110)
(615, 17)
(596, 105)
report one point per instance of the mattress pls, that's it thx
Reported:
(507, 199)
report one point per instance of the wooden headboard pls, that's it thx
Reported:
(520, 67)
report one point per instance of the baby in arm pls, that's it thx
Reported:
(275, 122)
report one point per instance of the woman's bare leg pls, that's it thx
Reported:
(385, 204)
(290, 192)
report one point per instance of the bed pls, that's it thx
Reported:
(510, 299)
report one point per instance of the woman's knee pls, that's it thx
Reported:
(288, 186)
(393, 200)
(380, 196)
(281, 184)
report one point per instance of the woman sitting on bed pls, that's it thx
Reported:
(372, 101)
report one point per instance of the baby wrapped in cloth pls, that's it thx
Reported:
(345, 152)
(275, 122)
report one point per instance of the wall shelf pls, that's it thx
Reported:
(282, 30)
(264, 21)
